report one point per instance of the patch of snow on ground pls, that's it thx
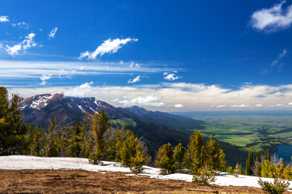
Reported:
(34, 163)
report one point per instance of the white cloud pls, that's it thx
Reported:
(178, 106)
(13, 70)
(220, 106)
(135, 65)
(239, 106)
(290, 103)
(134, 80)
(20, 25)
(80, 91)
(4, 19)
(44, 79)
(86, 85)
(273, 18)
(194, 96)
(27, 43)
(53, 33)
(109, 46)
(258, 105)
(151, 101)
(170, 76)
(279, 57)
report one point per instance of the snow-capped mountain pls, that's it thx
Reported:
(40, 109)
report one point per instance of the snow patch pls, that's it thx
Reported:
(41, 102)
(34, 163)
(81, 108)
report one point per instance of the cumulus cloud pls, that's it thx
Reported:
(152, 101)
(178, 106)
(4, 19)
(258, 105)
(135, 79)
(20, 47)
(193, 96)
(274, 18)
(44, 79)
(53, 33)
(170, 76)
(239, 105)
(109, 46)
(220, 106)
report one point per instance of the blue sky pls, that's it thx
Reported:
(166, 55)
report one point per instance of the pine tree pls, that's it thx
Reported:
(267, 168)
(3, 102)
(51, 147)
(77, 145)
(164, 158)
(178, 156)
(35, 137)
(194, 155)
(139, 158)
(214, 156)
(128, 148)
(12, 128)
(130, 151)
(249, 163)
(99, 126)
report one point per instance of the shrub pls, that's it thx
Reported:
(276, 187)
(204, 176)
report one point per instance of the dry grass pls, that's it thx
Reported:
(65, 181)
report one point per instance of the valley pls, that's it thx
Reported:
(255, 130)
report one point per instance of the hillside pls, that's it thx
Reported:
(154, 127)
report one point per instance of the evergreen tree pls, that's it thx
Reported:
(3, 102)
(99, 126)
(194, 155)
(35, 137)
(77, 144)
(214, 156)
(128, 148)
(249, 164)
(267, 169)
(178, 156)
(12, 128)
(139, 158)
(164, 158)
(130, 151)
(51, 147)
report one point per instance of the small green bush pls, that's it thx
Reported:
(204, 176)
(276, 187)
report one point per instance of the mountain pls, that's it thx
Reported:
(154, 127)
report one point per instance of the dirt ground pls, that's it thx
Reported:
(64, 181)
